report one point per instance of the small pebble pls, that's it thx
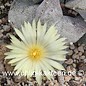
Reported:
(81, 66)
(0, 21)
(68, 68)
(6, 27)
(74, 65)
(67, 78)
(83, 45)
(70, 52)
(2, 7)
(72, 47)
(51, 84)
(69, 61)
(72, 83)
(82, 57)
(1, 35)
(66, 84)
(80, 53)
(77, 78)
(81, 49)
(17, 79)
(84, 60)
(84, 78)
(4, 20)
(75, 56)
(8, 4)
(8, 82)
(76, 50)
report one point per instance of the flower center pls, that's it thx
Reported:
(36, 52)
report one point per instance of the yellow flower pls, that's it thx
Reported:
(38, 50)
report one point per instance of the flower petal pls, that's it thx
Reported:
(57, 57)
(16, 54)
(13, 47)
(49, 67)
(38, 73)
(39, 30)
(51, 33)
(16, 60)
(20, 64)
(20, 35)
(55, 64)
(46, 71)
(31, 37)
(17, 43)
(34, 24)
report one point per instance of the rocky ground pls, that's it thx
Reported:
(75, 64)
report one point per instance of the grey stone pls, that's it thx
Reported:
(77, 4)
(6, 27)
(37, 1)
(82, 13)
(72, 28)
(1, 2)
(48, 11)
(82, 40)
(22, 10)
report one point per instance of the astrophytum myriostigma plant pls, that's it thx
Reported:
(38, 50)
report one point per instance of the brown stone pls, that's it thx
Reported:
(77, 78)
(66, 84)
(68, 68)
(81, 49)
(74, 65)
(67, 78)
(4, 20)
(80, 53)
(72, 83)
(85, 47)
(76, 50)
(17, 79)
(51, 84)
(71, 68)
(70, 52)
(84, 60)
(69, 61)
(84, 78)
(85, 53)
(61, 80)
(82, 57)
(0, 21)
(56, 83)
(75, 56)
(81, 66)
